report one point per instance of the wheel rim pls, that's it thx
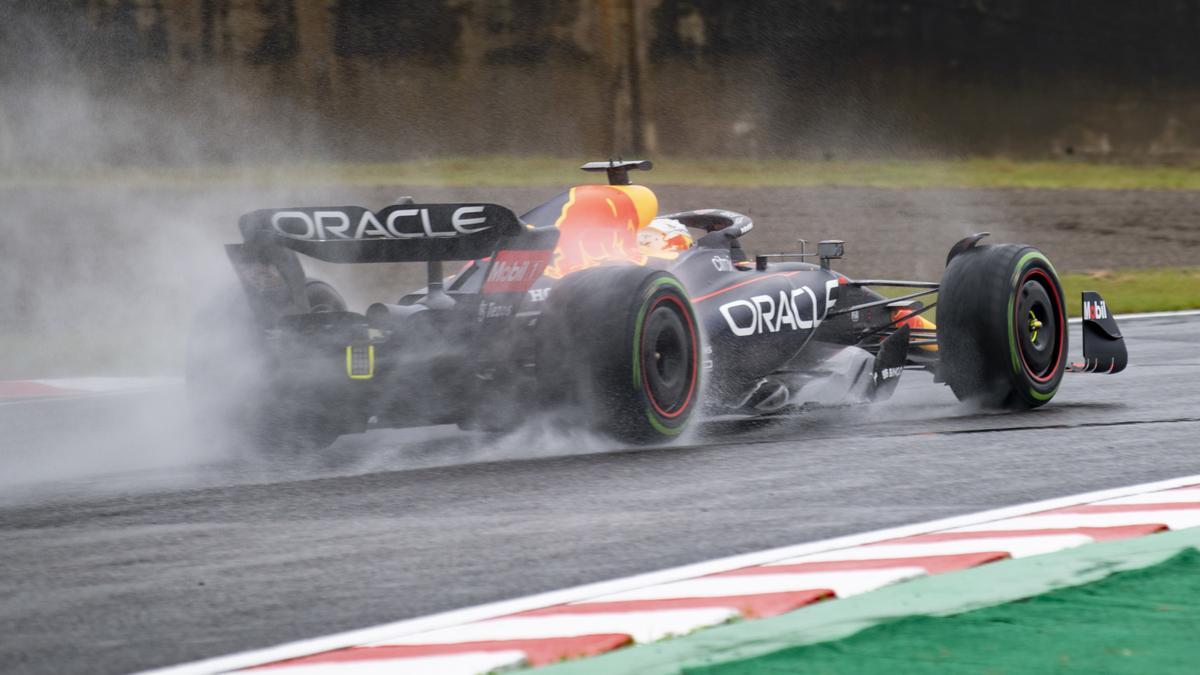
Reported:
(668, 358)
(1039, 325)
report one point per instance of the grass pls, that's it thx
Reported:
(516, 171)
(1128, 291)
(1137, 290)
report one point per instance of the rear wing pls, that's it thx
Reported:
(399, 233)
(273, 278)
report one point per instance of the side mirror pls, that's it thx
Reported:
(830, 249)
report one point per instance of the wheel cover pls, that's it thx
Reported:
(1039, 325)
(668, 357)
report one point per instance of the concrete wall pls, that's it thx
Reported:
(180, 81)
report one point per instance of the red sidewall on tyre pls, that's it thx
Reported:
(1002, 327)
(623, 345)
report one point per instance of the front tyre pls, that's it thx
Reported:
(621, 345)
(1002, 327)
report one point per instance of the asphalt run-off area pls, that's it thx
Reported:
(128, 547)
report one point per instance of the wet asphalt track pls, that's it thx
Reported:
(124, 547)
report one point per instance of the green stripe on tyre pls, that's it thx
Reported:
(637, 326)
(662, 428)
(1042, 397)
(1012, 333)
(637, 349)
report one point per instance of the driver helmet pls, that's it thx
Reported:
(664, 237)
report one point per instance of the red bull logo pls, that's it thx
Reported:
(599, 224)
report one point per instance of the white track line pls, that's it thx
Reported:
(1017, 547)
(1165, 497)
(455, 617)
(103, 385)
(647, 626)
(470, 663)
(1176, 520)
(843, 583)
(91, 388)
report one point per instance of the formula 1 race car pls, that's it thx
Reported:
(594, 308)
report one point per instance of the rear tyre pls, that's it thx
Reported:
(621, 346)
(322, 297)
(235, 397)
(1002, 327)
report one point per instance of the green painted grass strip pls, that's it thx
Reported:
(1133, 622)
(522, 170)
(940, 595)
